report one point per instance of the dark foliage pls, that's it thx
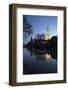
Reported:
(27, 27)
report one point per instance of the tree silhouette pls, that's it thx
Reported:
(40, 36)
(27, 27)
(37, 36)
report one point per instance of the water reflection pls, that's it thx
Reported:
(47, 53)
(36, 61)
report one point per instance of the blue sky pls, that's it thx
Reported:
(40, 24)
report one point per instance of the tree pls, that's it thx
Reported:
(38, 36)
(27, 27)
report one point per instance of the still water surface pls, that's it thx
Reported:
(38, 63)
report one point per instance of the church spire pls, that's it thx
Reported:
(47, 34)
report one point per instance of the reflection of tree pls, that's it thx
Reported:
(40, 54)
(41, 47)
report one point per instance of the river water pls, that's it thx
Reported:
(38, 62)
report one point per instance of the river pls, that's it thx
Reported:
(38, 63)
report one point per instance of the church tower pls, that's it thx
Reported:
(47, 34)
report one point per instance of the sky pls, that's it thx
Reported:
(40, 24)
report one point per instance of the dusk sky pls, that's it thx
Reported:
(40, 24)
